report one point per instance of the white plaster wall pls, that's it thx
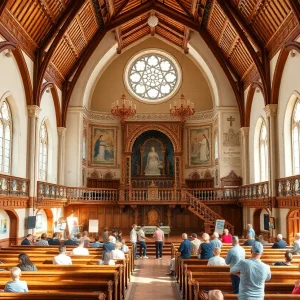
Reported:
(22, 214)
(4, 219)
(73, 148)
(48, 113)
(11, 87)
(257, 111)
(30, 65)
(289, 83)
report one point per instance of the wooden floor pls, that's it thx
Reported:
(151, 282)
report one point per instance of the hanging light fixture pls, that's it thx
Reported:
(153, 20)
(182, 108)
(123, 109)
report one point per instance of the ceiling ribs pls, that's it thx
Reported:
(3, 5)
(86, 40)
(295, 5)
(118, 37)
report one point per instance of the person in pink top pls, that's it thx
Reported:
(159, 237)
(227, 237)
(296, 290)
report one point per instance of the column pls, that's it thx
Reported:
(32, 170)
(271, 112)
(245, 155)
(61, 155)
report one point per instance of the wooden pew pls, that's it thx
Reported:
(46, 295)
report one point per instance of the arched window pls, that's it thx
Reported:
(84, 145)
(263, 152)
(296, 138)
(43, 157)
(216, 146)
(5, 137)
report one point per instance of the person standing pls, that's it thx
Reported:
(253, 274)
(250, 230)
(133, 239)
(105, 235)
(234, 255)
(159, 237)
(142, 242)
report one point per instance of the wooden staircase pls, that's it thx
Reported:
(205, 213)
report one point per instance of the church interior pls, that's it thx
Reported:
(178, 113)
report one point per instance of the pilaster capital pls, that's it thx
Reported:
(244, 131)
(61, 131)
(33, 111)
(271, 110)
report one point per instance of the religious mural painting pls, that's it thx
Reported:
(103, 146)
(3, 228)
(39, 222)
(199, 146)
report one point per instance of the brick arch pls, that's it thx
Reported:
(283, 56)
(255, 85)
(20, 60)
(158, 127)
(50, 85)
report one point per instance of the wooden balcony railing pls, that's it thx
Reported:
(51, 191)
(89, 194)
(254, 191)
(288, 186)
(211, 194)
(145, 183)
(164, 194)
(14, 186)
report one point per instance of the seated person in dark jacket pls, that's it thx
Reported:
(55, 239)
(185, 247)
(25, 263)
(109, 246)
(288, 257)
(206, 248)
(70, 241)
(27, 240)
(250, 240)
(280, 244)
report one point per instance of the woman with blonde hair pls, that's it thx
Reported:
(206, 248)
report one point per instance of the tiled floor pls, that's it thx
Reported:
(151, 282)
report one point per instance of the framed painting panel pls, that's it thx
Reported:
(3, 228)
(103, 146)
(39, 222)
(199, 152)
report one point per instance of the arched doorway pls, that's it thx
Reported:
(293, 225)
(11, 227)
(258, 219)
(49, 216)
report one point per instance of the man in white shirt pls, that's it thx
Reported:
(195, 244)
(133, 238)
(117, 253)
(296, 245)
(80, 250)
(62, 258)
(216, 260)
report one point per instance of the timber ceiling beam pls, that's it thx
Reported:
(3, 5)
(186, 38)
(138, 25)
(111, 7)
(118, 36)
(117, 12)
(262, 66)
(171, 27)
(188, 13)
(42, 63)
(194, 8)
(248, 30)
(295, 5)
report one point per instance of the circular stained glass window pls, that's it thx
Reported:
(152, 76)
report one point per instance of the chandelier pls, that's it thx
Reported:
(182, 108)
(123, 109)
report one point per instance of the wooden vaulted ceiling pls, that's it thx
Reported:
(60, 35)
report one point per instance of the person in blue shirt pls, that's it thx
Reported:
(253, 274)
(250, 230)
(17, 285)
(96, 244)
(206, 248)
(216, 243)
(280, 244)
(250, 240)
(70, 241)
(28, 240)
(234, 255)
(185, 251)
(185, 247)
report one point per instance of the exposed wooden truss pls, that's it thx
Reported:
(60, 35)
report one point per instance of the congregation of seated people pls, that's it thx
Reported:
(247, 275)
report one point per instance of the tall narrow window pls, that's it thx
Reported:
(263, 152)
(84, 145)
(43, 157)
(296, 138)
(5, 137)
